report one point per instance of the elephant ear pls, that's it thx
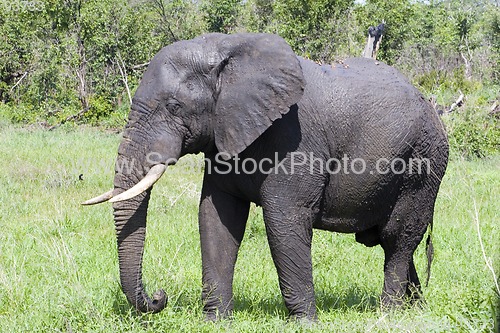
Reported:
(259, 79)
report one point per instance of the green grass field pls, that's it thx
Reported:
(59, 269)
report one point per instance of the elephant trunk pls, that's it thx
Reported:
(130, 222)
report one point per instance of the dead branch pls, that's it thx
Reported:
(495, 110)
(459, 102)
(135, 67)
(123, 72)
(494, 107)
(467, 60)
(70, 118)
(18, 82)
(442, 110)
(374, 40)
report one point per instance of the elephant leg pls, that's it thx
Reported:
(413, 290)
(289, 231)
(400, 238)
(222, 221)
(396, 274)
(401, 282)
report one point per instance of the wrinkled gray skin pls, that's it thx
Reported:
(249, 94)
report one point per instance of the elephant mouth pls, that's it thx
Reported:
(153, 175)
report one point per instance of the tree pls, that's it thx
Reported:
(221, 15)
(312, 27)
(64, 56)
(397, 15)
(176, 20)
(258, 15)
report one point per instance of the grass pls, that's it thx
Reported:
(59, 270)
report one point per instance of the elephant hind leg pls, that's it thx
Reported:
(413, 289)
(400, 238)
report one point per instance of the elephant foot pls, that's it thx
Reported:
(211, 317)
(303, 316)
(413, 298)
(303, 321)
(389, 303)
(215, 316)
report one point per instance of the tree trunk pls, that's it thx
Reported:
(373, 42)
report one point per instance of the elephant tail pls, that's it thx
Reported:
(429, 249)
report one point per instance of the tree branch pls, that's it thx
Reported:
(458, 103)
(18, 82)
(135, 67)
(161, 10)
(374, 40)
(69, 118)
(123, 72)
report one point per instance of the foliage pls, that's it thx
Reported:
(473, 133)
(17, 114)
(258, 15)
(59, 57)
(492, 28)
(313, 28)
(441, 80)
(221, 15)
(99, 107)
(397, 16)
(316, 29)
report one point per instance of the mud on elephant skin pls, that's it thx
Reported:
(248, 97)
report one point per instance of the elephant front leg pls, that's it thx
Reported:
(290, 237)
(222, 220)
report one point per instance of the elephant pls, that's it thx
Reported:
(309, 129)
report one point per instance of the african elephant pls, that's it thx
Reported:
(309, 128)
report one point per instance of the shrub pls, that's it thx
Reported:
(117, 119)
(444, 80)
(99, 107)
(473, 133)
(20, 113)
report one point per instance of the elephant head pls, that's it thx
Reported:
(215, 93)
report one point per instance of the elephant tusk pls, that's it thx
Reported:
(152, 177)
(99, 199)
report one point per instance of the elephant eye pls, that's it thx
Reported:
(173, 107)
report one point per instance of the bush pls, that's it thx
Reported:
(4, 118)
(99, 107)
(444, 80)
(117, 119)
(20, 113)
(473, 133)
